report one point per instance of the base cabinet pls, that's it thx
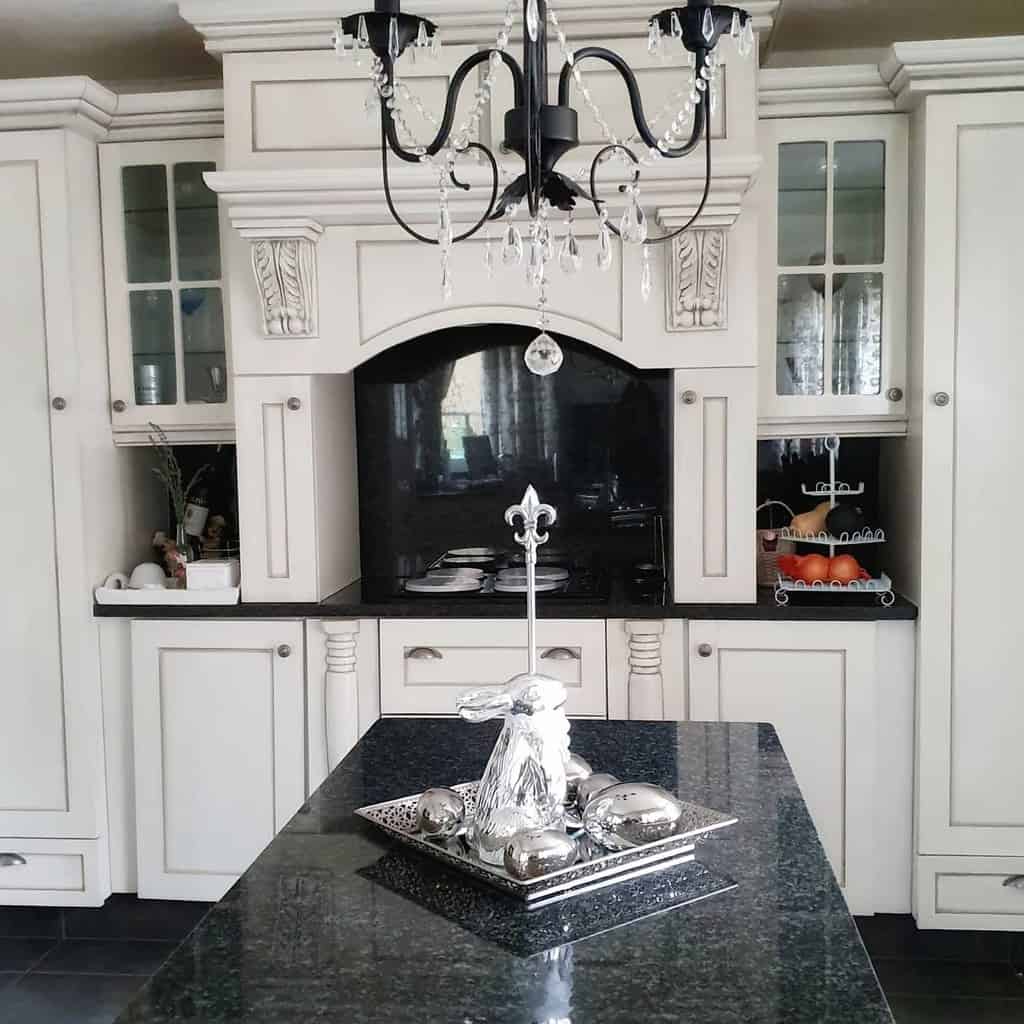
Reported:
(970, 892)
(816, 683)
(219, 736)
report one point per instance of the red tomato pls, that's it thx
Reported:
(844, 569)
(812, 568)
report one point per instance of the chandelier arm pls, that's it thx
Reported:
(451, 101)
(635, 101)
(408, 229)
(599, 203)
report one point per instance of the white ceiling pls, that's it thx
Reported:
(146, 41)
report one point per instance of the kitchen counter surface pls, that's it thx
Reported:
(331, 923)
(365, 601)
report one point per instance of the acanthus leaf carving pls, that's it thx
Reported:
(285, 270)
(697, 282)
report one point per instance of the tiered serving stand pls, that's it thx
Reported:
(833, 490)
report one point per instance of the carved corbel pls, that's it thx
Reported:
(284, 264)
(697, 280)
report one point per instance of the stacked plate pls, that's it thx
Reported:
(444, 585)
(513, 581)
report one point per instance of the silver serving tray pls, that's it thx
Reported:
(398, 819)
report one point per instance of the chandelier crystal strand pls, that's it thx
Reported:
(645, 273)
(745, 43)
(605, 253)
(512, 243)
(543, 355)
(338, 40)
(570, 256)
(489, 253)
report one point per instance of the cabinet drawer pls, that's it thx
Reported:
(56, 872)
(970, 892)
(426, 663)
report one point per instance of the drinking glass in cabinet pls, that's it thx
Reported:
(153, 346)
(202, 333)
(858, 198)
(800, 348)
(803, 203)
(196, 228)
(856, 334)
(146, 223)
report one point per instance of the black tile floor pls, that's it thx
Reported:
(83, 966)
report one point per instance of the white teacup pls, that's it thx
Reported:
(147, 576)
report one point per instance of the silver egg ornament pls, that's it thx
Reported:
(539, 852)
(576, 770)
(591, 786)
(440, 812)
(631, 814)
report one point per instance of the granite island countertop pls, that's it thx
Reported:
(333, 924)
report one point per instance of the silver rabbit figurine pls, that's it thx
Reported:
(523, 786)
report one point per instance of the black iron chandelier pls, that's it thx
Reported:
(541, 133)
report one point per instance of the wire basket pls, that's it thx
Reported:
(770, 544)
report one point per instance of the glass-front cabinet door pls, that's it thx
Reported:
(833, 272)
(164, 282)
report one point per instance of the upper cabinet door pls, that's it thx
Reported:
(833, 275)
(167, 334)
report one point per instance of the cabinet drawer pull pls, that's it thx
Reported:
(60, 404)
(941, 398)
(704, 650)
(561, 654)
(424, 654)
(294, 404)
(689, 398)
(10, 860)
(1014, 882)
(119, 405)
(283, 650)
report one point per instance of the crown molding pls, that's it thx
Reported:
(916, 70)
(230, 26)
(274, 203)
(74, 102)
(186, 113)
(822, 91)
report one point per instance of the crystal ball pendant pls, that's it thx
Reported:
(543, 355)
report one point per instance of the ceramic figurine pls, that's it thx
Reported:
(523, 786)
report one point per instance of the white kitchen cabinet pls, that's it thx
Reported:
(168, 355)
(961, 484)
(714, 485)
(220, 761)
(51, 791)
(816, 683)
(426, 663)
(298, 504)
(832, 198)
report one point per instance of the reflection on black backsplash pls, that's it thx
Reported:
(452, 427)
(785, 465)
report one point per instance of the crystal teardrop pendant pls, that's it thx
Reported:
(362, 35)
(604, 247)
(745, 43)
(444, 228)
(654, 38)
(645, 274)
(512, 246)
(734, 27)
(422, 39)
(532, 19)
(489, 254)
(707, 25)
(633, 226)
(446, 278)
(393, 50)
(535, 261)
(339, 40)
(675, 27)
(543, 355)
(570, 258)
(435, 44)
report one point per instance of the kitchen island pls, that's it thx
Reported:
(331, 923)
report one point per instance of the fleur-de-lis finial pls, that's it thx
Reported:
(535, 515)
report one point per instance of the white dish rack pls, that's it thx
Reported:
(833, 489)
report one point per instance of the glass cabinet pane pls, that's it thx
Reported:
(202, 333)
(153, 347)
(146, 228)
(196, 227)
(800, 345)
(858, 198)
(857, 334)
(803, 202)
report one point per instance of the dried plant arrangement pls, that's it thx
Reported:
(169, 472)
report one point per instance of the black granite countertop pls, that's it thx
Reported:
(364, 601)
(333, 924)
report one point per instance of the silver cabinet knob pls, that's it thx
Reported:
(283, 650)
(119, 405)
(941, 398)
(704, 650)
(561, 654)
(1014, 882)
(10, 860)
(60, 404)
(894, 394)
(424, 654)
(294, 404)
(689, 398)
